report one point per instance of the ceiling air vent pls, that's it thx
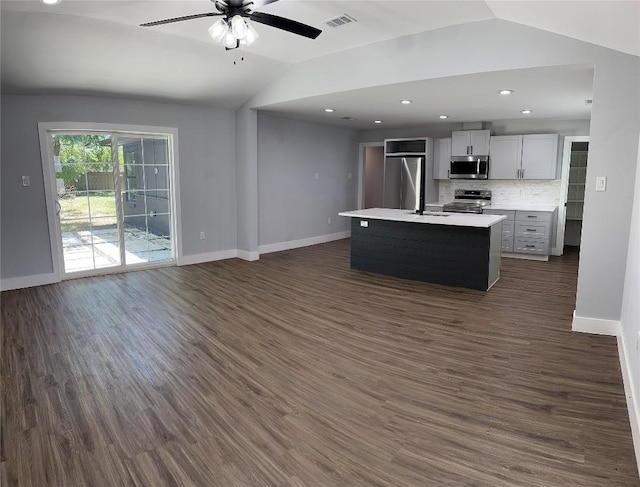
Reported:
(339, 21)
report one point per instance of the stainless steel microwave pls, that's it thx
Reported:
(469, 167)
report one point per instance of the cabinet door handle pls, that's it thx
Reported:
(448, 173)
(530, 246)
(522, 173)
(517, 173)
(531, 230)
(532, 216)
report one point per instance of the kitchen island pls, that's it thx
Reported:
(455, 249)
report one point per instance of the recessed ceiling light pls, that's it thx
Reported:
(526, 112)
(329, 110)
(443, 116)
(505, 92)
(377, 121)
(50, 2)
(405, 102)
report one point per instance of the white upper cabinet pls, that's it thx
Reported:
(524, 157)
(540, 156)
(442, 158)
(470, 143)
(505, 159)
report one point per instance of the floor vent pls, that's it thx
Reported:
(339, 21)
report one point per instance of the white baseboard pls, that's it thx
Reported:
(207, 257)
(250, 256)
(305, 242)
(595, 325)
(633, 401)
(513, 255)
(28, 281)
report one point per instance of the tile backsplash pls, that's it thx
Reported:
(532, 192)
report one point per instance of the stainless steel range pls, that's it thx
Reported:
(468, 201)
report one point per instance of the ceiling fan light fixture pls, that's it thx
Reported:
(219, 30)
(238, 27)
(250, 36)
(229, 40)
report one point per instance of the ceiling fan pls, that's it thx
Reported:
(233, 30)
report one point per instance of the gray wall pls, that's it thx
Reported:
(495, 45)
(293, 205)
(207, 171)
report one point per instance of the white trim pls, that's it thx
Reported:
(28, 281)
(361, 175)
(558, 248)
(208, 257)
(305, 242)
(513, 255)
(633, 402)
(596, 326)
(250, 256)
(50, 196)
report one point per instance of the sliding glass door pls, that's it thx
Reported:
(113, 200)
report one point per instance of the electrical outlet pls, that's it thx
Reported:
(202, 236)
(329, 220)
(601, 183)
(26, 181)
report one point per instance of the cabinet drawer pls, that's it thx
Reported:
(507, 228)
(532, 229)
(531, 246)
(536, 216)
(507, 244)
(510, 214)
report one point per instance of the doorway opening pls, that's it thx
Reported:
(113, 197)
(575, 194)
(371, 175)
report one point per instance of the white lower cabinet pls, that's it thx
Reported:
(526, 232)
(507, 227)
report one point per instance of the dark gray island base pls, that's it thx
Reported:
(453, 255)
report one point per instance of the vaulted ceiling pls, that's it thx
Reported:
(98, 47)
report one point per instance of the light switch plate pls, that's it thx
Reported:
(601, 183)
(364, 223)
(26, 181)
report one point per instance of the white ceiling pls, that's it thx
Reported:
(97, 47)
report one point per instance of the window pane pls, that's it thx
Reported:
(159, 238)
(74, 206)
(76, 246)
(106, 242)
(157, 202)
(102, 204)
(97, 148)
(136, 240)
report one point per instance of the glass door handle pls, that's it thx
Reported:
(58, 207)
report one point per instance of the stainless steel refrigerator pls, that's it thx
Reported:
(408, 182)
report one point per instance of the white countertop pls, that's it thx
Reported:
(435, 218)
(521, 207)
(506, 206)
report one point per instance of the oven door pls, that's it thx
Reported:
(469, 167)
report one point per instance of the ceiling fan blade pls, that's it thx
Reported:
(285, 24)
(261, 3)
(179, 19)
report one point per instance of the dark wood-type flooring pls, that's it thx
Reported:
(297, 371)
